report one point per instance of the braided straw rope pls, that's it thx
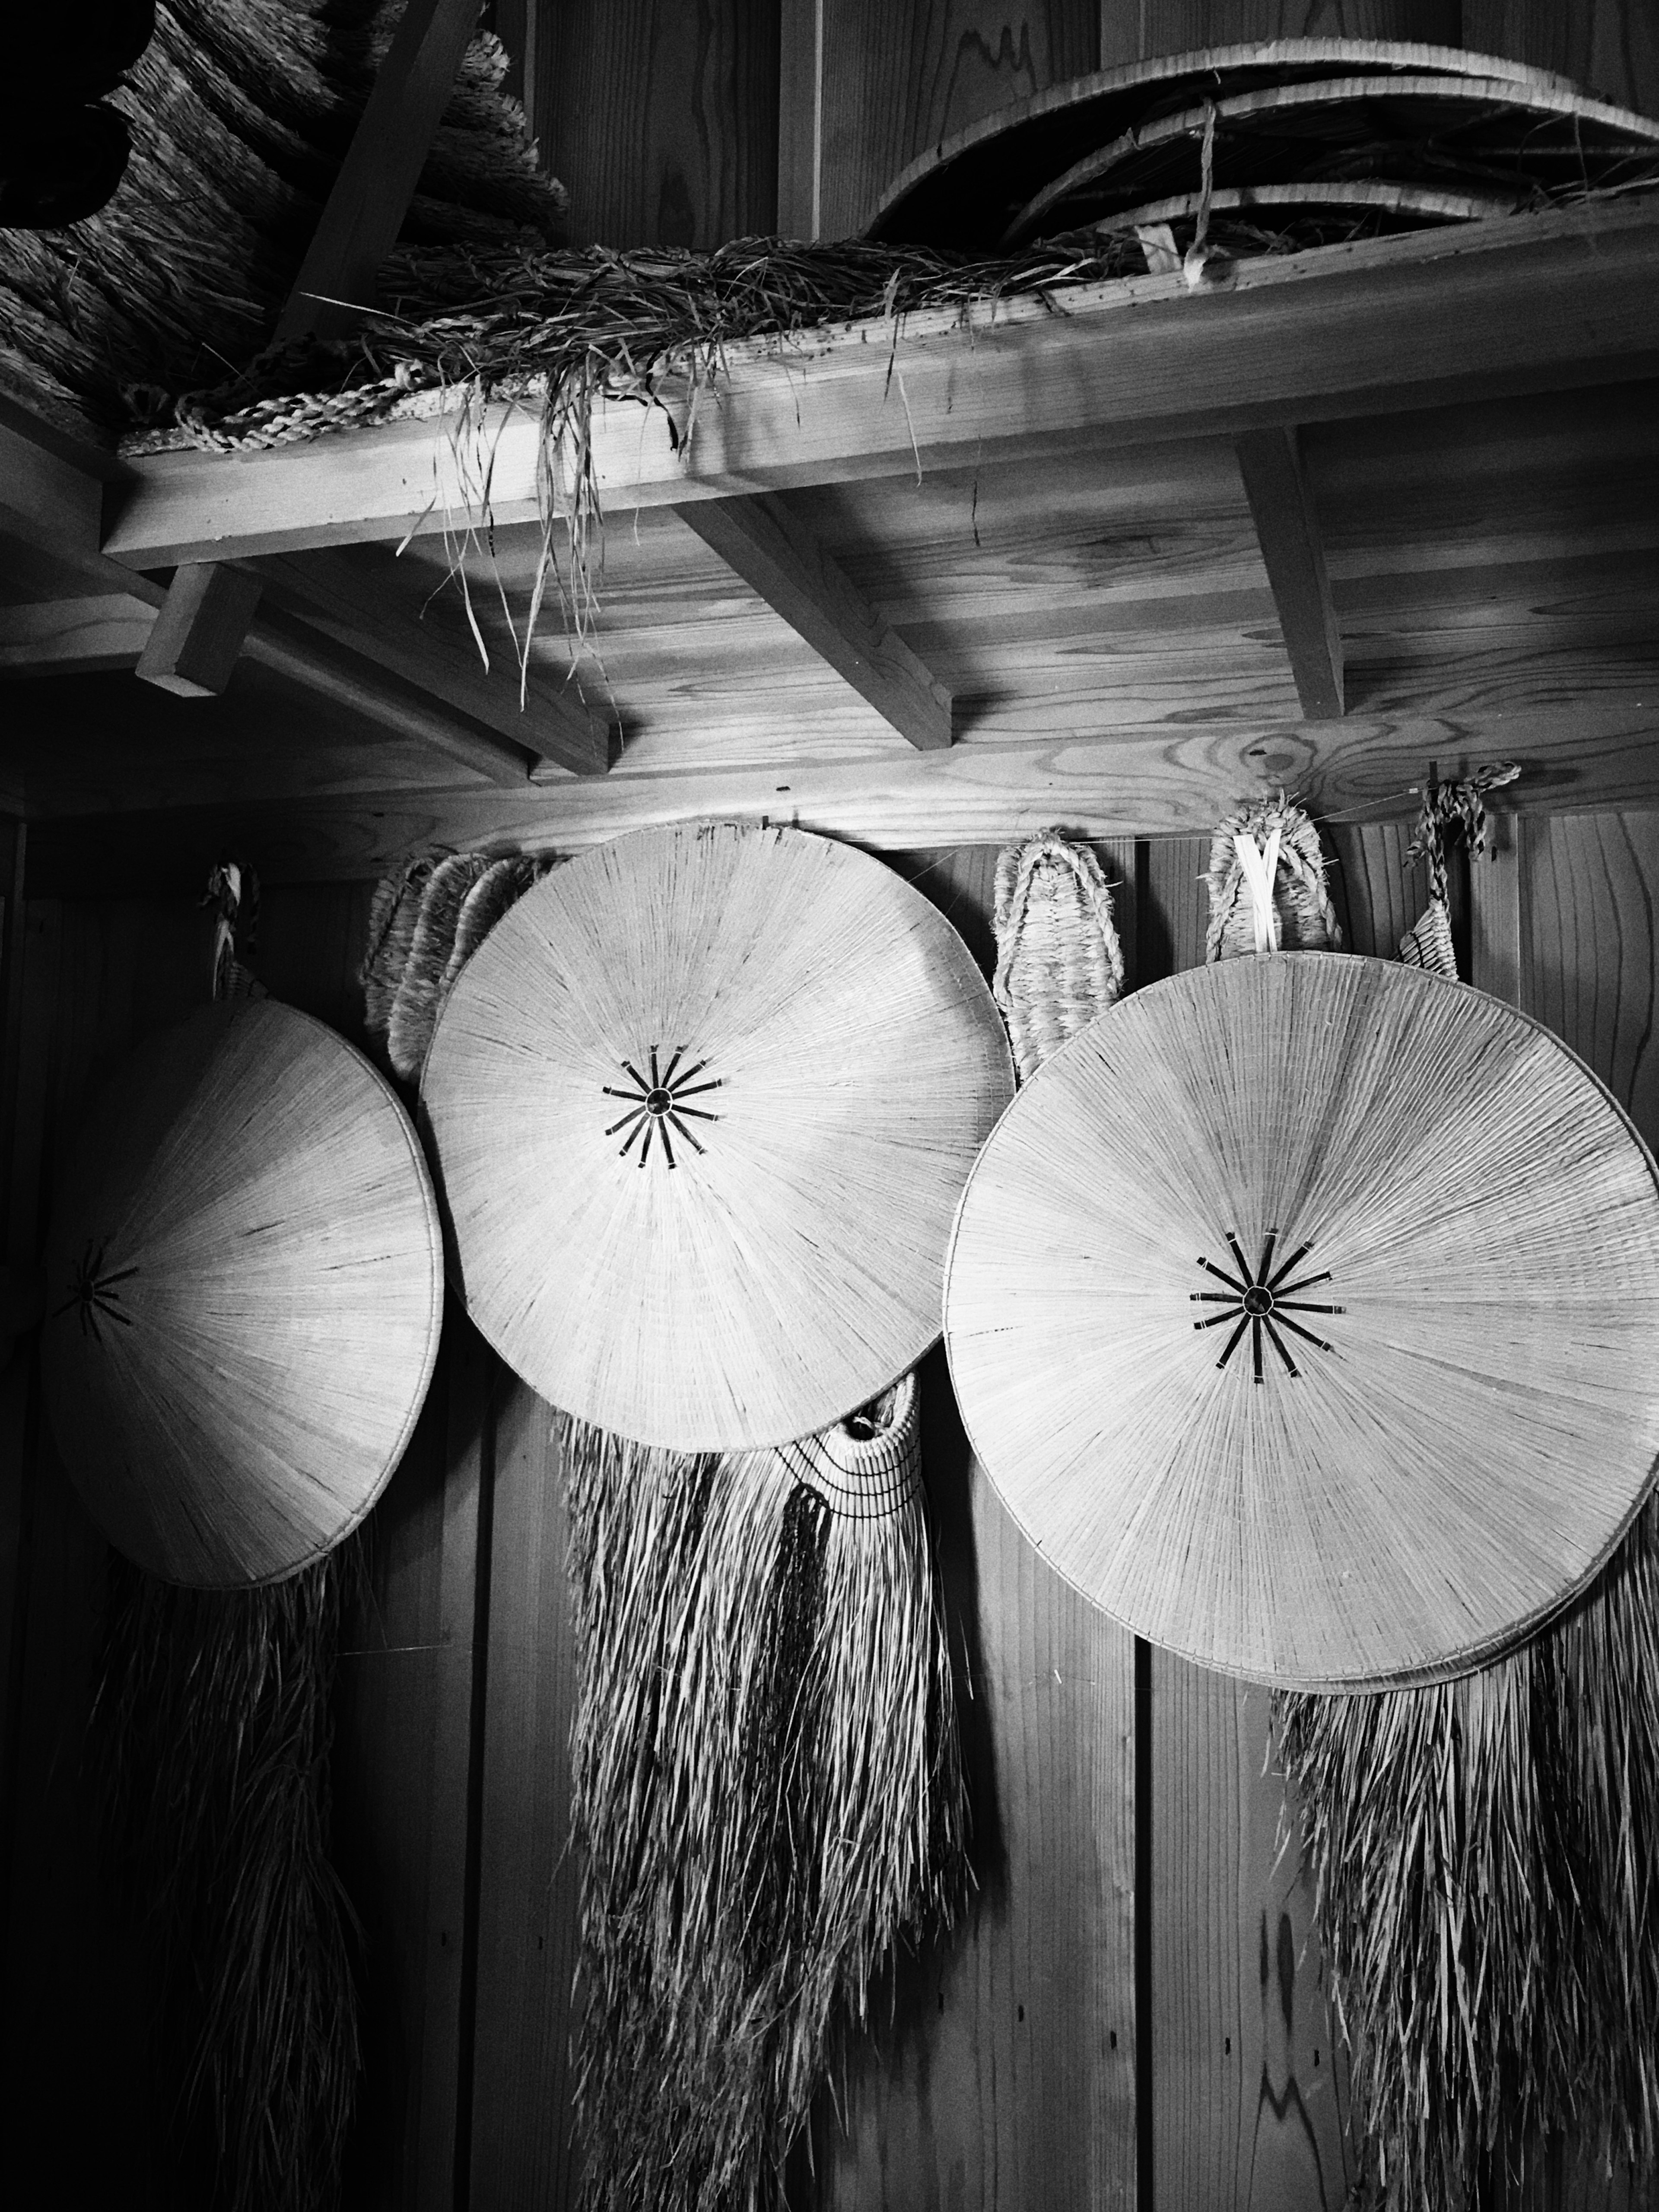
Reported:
(1302, 918)
(1058, 962)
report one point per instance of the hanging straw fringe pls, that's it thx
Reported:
(765, 1788)
(1266, 879)
(1485, 1855)
(1058, 962)
(394, 912)
(212, 1727)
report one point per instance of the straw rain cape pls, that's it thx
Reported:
(246, 1204)
(1485, 1855)
(765, 1788)
(765, 1781)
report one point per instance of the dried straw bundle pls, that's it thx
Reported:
(765, 1788)
(1487, 1862)
(426, 921)
(1058, 962)
(212, 1728)
(1448, 811)
(1266, 879)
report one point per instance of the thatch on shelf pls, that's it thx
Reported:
(240, 111)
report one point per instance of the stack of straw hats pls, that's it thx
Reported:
(1262, 147)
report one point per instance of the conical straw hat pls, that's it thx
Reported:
(1460, 1230)
(703, 1103)
(244, 1292)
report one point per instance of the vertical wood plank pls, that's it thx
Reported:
(896, 81)
(96, 977)
(1498, 934)
(1377, 896)
(521, 2155)
(1591, 884)
(1248, 2096)
(1004, 2075)
(660, 117)
(1138, 30)
(403, 1774)
(1611, 47)
(800, 115)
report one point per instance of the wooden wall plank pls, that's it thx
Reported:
(660, 118)
(1248, 2096)
(1610, 47)
(97, 976)
(1591, 884)
(521, 2126)
(897, 81)
(1003, 2075)
(1137, 30)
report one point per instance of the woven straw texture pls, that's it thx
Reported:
(245, 1291)
(1058, 962)
(1428, 944)
(832, 1060)
(765, 1786)
(1460, 1216)
(1302, 919)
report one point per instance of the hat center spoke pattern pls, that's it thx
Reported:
(94, 1292)
(1259, 1299)
(659, 1107)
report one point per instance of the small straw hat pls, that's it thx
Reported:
(703, 1103)
(1304, 1310)
(245, 1290)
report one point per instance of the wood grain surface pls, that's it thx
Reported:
(1003, 2073)
(660, 118)
(897, 81)
(1138, 30)
(520, 2121)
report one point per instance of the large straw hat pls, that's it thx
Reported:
(1304, 1310)
(245, 1293)
(703, 1103)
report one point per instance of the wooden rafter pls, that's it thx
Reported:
(198, 634)
(365, 209)
(1287, 529)
(763, 542)
(1528, 303)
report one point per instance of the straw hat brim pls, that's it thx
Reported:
(244, 1275)
(1479, 1421)
(769, 1255)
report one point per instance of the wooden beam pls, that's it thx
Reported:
(1288, 530)
(198, 634)
(1591, 751)
(69, 637)
(763, 542)
(280, 643)
(359, 598)
(1528, 303)
(365, 209)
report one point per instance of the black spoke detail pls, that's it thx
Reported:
(657, 1105)
(1231, 1344)
(1260, 1299)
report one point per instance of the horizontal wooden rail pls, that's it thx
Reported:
(1522, 304)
